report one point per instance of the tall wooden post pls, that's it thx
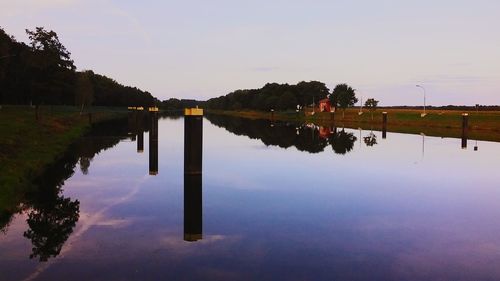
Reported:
(193, 160)
(153, 142)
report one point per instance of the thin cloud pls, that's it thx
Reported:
(264, 69)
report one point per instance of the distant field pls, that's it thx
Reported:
(484, 125)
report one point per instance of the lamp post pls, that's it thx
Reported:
(423, 114)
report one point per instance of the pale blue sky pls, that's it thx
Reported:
(202, 49)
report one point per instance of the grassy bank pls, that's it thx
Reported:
(484, 125)
(28, 145)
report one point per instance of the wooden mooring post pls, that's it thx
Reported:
(153, 142)
(193, 161)
(384, 125)
(465, 129)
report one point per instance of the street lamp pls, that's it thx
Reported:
(423, 114)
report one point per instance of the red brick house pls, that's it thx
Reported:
(324, 105)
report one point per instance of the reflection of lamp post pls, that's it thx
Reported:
(423, 144)
(423, 114)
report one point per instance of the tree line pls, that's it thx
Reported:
(42, 72)
(274, 96)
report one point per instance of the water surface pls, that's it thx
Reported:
(279, 202)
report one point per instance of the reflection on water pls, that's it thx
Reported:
(153, 144)
(309, 204)
(306, 137)
(370, 139)
(51, 216)
(193, 207)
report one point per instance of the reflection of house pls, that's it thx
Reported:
(324, 132)
(324, 105)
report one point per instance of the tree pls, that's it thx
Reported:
(287, 101)
(84, 92)
(345, 96)
(371, 104)
(51, 68)
(51, 50)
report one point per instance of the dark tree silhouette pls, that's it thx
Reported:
(50, 226)
(271, 96)
(342, 142)
(370, 140)
(371, 104)
(345, 96)
(44, 73)
(279, 134)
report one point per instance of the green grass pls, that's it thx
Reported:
(483, 125)
(28, 145)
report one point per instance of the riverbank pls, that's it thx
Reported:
(28, 145)
(483, 125)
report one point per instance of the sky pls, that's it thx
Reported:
(201, 49)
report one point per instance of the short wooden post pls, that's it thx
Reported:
(384, 125)
(465, 129)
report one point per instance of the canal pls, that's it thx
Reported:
(272, 201)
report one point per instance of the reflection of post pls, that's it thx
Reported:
(193, 148)
(132, 125)
(153, 143)
(140, 131)
(384, 125)
(140, 141)
(193, 208)
(465, 128)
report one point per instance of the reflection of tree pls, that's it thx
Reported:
(342, 142)
(305, 138)
(5, 218)
(371, 139)
(84, 164)
(51, 225)
(280, 134)
(52, 216)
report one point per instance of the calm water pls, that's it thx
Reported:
(279, 202)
